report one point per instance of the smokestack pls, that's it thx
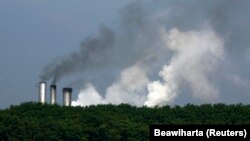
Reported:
(67, 94)
(52, 94)
(42, 92)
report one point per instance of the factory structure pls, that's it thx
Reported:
(67, 94)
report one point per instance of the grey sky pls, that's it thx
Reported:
(33, 33)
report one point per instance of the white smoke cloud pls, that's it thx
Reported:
(88, 96)
(196, 55)
(130, 88)
(187, 57)
(159, 94)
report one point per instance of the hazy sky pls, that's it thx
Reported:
(34, 32)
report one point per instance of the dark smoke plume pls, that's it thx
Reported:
(165, 47)
(94, 52)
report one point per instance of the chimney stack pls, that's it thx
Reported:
(67, 94)
(42, 92)
(53, 94)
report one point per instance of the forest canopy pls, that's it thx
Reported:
(35, 121)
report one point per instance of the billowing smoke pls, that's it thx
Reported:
(162, 50)
(88, 96)
(129, 88)
(93, 52)
(196, 56)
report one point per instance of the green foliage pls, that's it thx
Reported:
(35, 121)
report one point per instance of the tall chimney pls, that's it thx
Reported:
(67, 94)
(42, 92)
(52, 94)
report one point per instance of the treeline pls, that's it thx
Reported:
(34, 121)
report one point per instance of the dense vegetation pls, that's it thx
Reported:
(34, 121)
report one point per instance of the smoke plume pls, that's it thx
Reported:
(162, 50)
(93, 52)
(196, 55)
(129, 88)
